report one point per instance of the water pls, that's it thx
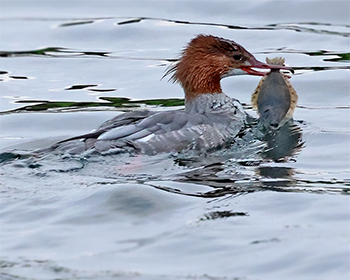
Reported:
(224, 216)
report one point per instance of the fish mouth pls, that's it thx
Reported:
(258, 68)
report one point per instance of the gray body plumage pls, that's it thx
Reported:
(207, 122)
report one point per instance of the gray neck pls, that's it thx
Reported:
(209, 102)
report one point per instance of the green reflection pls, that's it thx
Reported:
(116, 102)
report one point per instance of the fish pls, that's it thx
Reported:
(275, 99)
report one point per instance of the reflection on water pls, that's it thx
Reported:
(222, 214)
(120, 103)
(282, 143)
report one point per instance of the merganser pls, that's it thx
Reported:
(210, 118)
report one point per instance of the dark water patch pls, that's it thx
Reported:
(59, 52)
(76, 23)
(19, 77)
(122, 103)
(136, 20)
(283, 144)
(75, 87)
(102, 90)
(38, 52)
(95, 53)
(8, 77)
(53, 52)
(214, 215)
(276, 172)
(12, 156)
(53, 106)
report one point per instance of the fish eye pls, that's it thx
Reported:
(237, 57)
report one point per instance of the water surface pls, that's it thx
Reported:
(67, 66)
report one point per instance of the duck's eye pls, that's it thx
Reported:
(237, 57)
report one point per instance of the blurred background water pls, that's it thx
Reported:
(67, 66)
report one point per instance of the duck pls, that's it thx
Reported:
(209, 120)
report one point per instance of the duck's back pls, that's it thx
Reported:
(199, 127)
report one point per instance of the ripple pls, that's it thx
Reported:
(325, 28)
(121, 103)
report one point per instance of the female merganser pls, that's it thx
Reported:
(210, 118)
